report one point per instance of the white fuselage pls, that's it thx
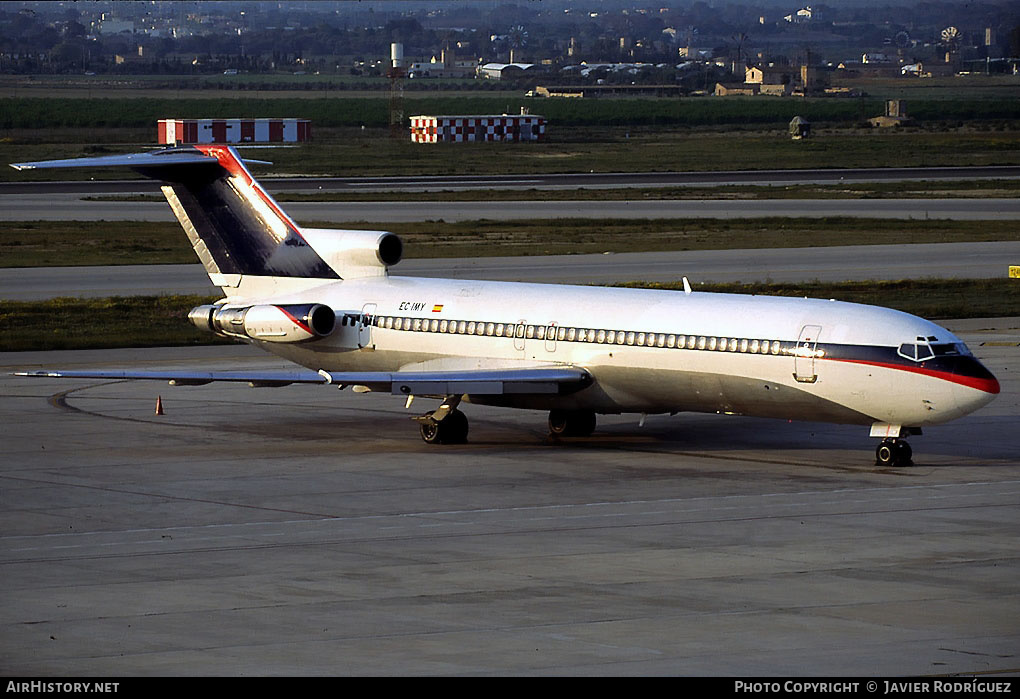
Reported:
(648, 351)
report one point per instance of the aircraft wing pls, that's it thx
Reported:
(553, 379)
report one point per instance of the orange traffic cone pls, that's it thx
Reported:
(159, 405)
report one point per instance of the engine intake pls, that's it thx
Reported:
(268, 322)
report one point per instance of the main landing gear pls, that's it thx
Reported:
(445, 424)
(893, 452)
(571, 423)
(452, 429)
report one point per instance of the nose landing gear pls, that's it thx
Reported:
(893, 452)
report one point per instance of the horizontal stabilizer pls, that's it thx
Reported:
(545, 380)
(152, 159)
(234, 226)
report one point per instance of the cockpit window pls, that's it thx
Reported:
(916, 352)
(921, 350)
(950, 349)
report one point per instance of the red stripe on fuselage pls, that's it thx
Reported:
(987, 385)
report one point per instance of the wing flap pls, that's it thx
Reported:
(544, 380)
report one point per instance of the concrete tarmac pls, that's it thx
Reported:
(308, 531)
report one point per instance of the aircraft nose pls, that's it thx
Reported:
(975, 385)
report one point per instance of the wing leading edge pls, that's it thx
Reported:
(533, 380)
(163, 158)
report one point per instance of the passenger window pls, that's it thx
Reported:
(398, 323)
(529, 332)
(540, 332)
(444, 326)
(733, 344)
(462, 327)
(630, 338)
(754, 346)
(712, 343)
(671, 341)
(743, 345)
(610, 337)
(775, 347)
(661, 342)
(571, 334)
(702, 342)
(561, 334)
(520, 331)
(490, 328)
(434, 325)
(600, 336)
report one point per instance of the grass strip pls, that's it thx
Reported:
(161, 321)
(942, 189)
(113, 110)
(72, 243)
(346, 152)
(929, 298)
(101, 323)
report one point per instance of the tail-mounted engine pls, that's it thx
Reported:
(355, 254)
(269, 323)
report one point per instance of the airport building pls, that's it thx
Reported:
(186, 131)
(459, 129)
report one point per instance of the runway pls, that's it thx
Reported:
(70, 207)
(304, 531)
(862, 262)
(581, 180)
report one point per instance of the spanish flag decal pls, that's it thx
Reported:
(437, 308)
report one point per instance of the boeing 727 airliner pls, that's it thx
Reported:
(324, 300)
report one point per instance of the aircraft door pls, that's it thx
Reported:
(365, 326)
(804, 355)
(519, 330)
(550, 337)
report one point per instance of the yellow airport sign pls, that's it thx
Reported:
(1014, 271)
